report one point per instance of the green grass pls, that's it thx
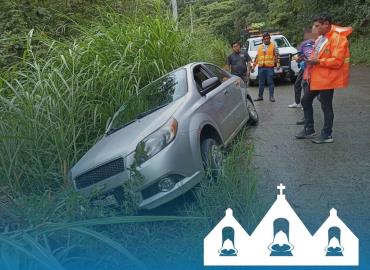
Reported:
(53, 110)
(55, 107)
(65, 230)
(360, 50)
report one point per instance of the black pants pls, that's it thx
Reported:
(298, 87)
(326, 99)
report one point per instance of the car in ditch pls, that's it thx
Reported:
(170, 133)
(288, 67)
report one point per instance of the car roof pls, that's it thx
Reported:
(190, 65)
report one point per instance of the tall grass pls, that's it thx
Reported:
(132, 242)
(52, 111)
(57, 107)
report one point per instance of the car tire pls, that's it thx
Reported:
(252, 113)
(212, 157)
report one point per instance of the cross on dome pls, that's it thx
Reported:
(281, 187)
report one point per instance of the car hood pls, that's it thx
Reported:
(287, 50)
(124, 141)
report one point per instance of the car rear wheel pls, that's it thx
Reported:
(212, 157)
(252, 112)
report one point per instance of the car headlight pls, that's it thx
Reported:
(155, 142)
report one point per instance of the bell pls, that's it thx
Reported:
(281, 245)
(334, 248)
(228, 248)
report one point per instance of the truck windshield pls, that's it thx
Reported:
(152, 97)
(280, 42)
(254, 44)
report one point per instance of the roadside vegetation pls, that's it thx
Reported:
(228, 18)
(65, 68)
(55, 101)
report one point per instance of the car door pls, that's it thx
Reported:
(236, 111)
(217, 103)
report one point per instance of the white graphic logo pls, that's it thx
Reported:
(281, 238)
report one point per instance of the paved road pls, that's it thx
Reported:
(319, 177)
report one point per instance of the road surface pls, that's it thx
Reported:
(319, 177)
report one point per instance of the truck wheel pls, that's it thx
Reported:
(212, 157)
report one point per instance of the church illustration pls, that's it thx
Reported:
(281, 238)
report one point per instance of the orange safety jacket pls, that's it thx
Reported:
(332, 70)
(268, 58)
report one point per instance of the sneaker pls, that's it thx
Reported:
(294, 105)
(300, 122)
(306, 134)
(258, 99)
(323, 139)
(272, 99)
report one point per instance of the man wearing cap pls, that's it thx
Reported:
(267, 58)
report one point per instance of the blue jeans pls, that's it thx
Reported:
(265, 73)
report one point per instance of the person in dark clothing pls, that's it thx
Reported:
(304, 52)
(238, 62)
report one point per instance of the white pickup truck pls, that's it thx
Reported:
(288, 67)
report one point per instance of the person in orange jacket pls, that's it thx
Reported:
(328, 69)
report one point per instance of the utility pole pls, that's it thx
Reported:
(174, 10)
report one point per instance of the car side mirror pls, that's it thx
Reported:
(209, 85)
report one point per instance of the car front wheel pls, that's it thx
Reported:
(212, 157)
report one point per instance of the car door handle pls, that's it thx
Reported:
(226, 92)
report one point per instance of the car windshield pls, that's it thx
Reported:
(279, 41)
(152, 97)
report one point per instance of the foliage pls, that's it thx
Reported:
(360, 50)
(229, 17)
(56, 107)
(65, 232)
(56, 19)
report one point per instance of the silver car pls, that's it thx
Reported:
(170, 133)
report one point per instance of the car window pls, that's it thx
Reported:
(218, 72)
(200, 75)
(281, 42)
(155, 95)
